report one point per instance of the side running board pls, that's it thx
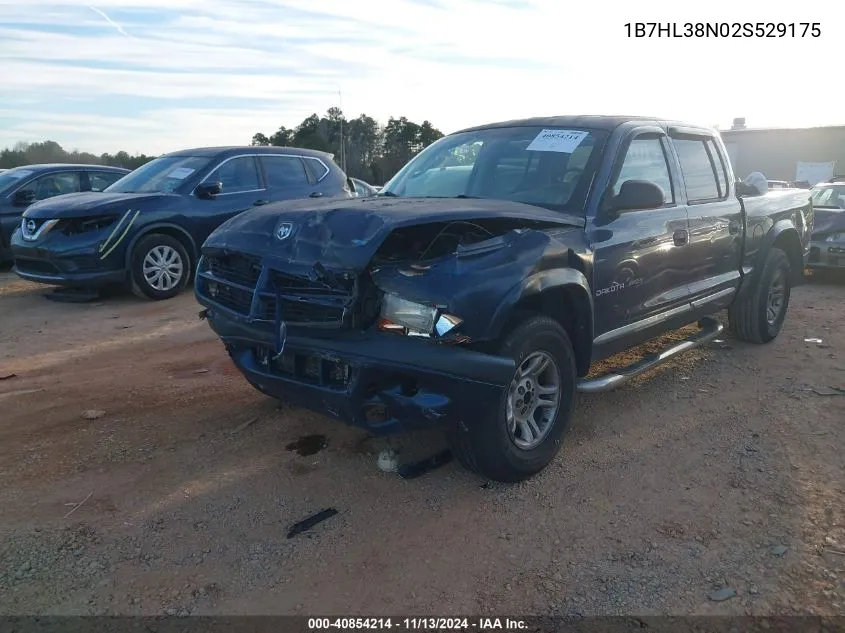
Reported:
(710, 329)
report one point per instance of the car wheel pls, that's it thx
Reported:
(758, 317)
(535, 409)
(161, 267)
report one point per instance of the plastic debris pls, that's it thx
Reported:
(818, 341)
(411, 471)
(314, 519)
(387, 461)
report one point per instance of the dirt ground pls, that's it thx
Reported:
(721, 474)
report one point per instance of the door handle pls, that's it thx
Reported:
(316, 194)
(258, 203)
(680, 237)
(733, 227)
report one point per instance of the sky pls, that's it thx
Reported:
(152, 76)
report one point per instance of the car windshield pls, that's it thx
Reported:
(548, 167)
(161, 175)
(11, 177)
(831, 196)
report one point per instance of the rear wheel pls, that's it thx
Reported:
(534, 411)
(758, 317)
(160, 267)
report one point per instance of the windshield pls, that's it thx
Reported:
(161, 175)
(825, 196)
(545, 167)
(11, 177)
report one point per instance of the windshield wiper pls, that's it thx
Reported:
(463, 196)
(387, 194)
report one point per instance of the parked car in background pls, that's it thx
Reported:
(363, 189)
(474, 293)
(827, 246)
(22, 186)
(146, 229)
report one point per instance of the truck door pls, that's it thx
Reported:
(639, 278)
(715, 218)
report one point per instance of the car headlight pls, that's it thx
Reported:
(31, 230)
(414, 319)
(836, 237)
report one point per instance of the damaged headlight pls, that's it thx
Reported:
(414, 319)
(836, 237)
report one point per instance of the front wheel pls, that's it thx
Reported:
(534, 411)
(160, 267)
(758, 317)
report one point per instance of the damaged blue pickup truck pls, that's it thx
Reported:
(474, 292)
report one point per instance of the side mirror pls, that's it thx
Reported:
(636, 195)
(23, 197)
(209, 189)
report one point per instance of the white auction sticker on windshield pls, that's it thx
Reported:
(180, 173)
(563, 141)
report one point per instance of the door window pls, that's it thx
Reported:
(101, 179)
(57, 184)
(698, 170)
(284, 171)
(646, 160)
(236, 175)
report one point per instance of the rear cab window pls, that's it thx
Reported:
(702, 168)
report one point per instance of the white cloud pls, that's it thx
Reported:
(180, 63)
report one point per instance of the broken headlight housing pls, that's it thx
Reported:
(414, 319)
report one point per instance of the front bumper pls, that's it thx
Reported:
(382, 382)
(61, 260)
(826, 255)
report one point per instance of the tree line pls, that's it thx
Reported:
(368, 150)
(51, 152)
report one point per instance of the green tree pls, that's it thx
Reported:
(51, 152)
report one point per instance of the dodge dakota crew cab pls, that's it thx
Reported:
(477, 288)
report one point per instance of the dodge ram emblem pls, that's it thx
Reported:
(284, 230)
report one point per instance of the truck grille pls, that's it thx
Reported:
(299, 311)
(231, 280)
(237, 267)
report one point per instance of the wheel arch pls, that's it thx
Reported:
(165, 228)
(561, 294)
(788, 240)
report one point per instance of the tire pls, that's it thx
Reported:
(162, 248)
(492, 449)
(753, 318)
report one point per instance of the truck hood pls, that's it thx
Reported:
(345, 234)
(88, 204)
(827, 221)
